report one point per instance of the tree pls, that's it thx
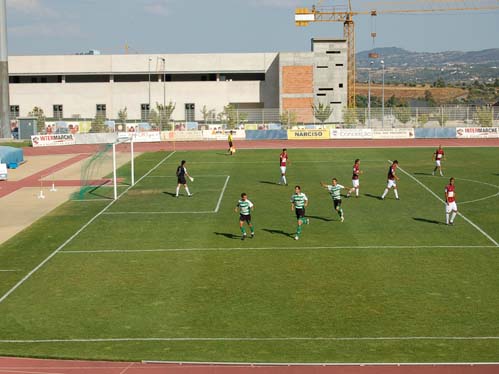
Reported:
(350, 116)
(423, 119)
(428, 96)
(483, 116)
(229, 116)
(164, 114)
(439, 83)
(289, 118)
(403, 114)
(322, 112)
(208, 114)
(40, 118)
(123, 115)
(97, 124)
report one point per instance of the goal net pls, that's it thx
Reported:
(106, 172)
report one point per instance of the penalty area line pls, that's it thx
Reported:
(273, 248)
(251, 339)
(443, 202)
(70, 239)
(222, 194)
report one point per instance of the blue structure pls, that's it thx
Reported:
(11, 156)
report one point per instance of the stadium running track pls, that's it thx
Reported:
(46, 366)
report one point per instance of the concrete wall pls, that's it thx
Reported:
(81, 98)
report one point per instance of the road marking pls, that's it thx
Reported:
(41, 264)
(443, 202)
(278, 248)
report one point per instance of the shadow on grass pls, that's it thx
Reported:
(423, 174)
(269, 182)
(377, 197)
(228, 235)
(169, 193)
(425, 220)
(321, 218)
(280, 232)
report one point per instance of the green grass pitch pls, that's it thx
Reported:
(154, 277)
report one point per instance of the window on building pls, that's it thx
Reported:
(101, 110)
(14, 111)
(57, 109)
(190, 114)
(333, 52)
(340, 85)
(144, 112)
(322, 66)
(339, 64)
(335, 102)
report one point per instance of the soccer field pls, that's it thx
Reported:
(154, 277)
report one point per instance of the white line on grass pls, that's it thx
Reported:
(222, 194)
(124, 213)
(251, 339)
(443, 202)
(18, 284)
(196, 176)
(8, 271)
(279, 248)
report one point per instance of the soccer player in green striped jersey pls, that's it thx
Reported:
(334, 190)
(245, 207)
(299, 202)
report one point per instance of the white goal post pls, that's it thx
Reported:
(121, 140)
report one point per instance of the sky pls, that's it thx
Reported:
(49, 27)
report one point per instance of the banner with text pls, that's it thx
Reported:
(52, 139)
(351, 133)
(393, 133)
(223, 134)
(477, 132)
(142, 136)
(308, 134)
(169, 136)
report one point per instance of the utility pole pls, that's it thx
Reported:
(4, 74)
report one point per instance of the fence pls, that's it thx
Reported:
(274, 119)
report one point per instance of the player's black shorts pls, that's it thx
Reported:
(181, 179)
(245, 218)
(300, 213)
(230, 144)
(337, 203)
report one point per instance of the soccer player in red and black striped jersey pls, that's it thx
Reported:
(392, 180)
(450, 202)
(438, 156)
(283, 162)
(355, 179)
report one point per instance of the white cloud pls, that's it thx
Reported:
(32, 7)
(279, 3)
(158, 7)
(52, 30)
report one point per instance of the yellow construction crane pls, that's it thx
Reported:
(345, 13)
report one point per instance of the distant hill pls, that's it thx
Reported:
(426, 67)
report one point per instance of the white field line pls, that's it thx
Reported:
(196, 176)
(273, 162)
(8, 271)
(277, 364)
(443, 202)
(41, 264)
(222, 194)
(252, 339)
(277, 248)
(121, 213)
(196, 212)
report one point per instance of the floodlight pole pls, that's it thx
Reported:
(369, 94)
(383, 94)
(4, 74)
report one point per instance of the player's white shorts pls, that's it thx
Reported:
(437, 163)
(283, 169)
(451, 207)
(391, 183)
(355, 183)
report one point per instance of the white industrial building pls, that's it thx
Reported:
(82, 86)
